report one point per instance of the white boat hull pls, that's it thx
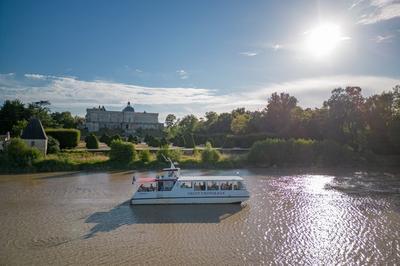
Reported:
(189, 200)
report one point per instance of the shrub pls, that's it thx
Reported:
(91, 141)
(53, 146)
(210, 155)
(105, 139)
(122, 151)
(174, 154)
(68, 138)
(300, 151)
(115, 137)
(133, 139)
(267, 152)
(19, 154)
(145, 156)
(152, 141)
(332, 153)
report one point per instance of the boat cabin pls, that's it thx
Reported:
(188, 184)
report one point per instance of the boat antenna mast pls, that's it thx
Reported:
(169, 160)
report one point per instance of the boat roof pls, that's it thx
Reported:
(170, 169)
(211, 178)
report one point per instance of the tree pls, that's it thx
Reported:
(170, 120)
(188, 123)
(41, 111)
(278, 112)
(65, 119)
(346, 122)
(10, 113)
(239, 123)
(17, 129)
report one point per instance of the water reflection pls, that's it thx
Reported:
(126, 214)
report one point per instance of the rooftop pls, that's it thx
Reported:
(128, 108)
(34, 130)
(211, 178)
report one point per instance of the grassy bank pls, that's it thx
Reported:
(275, 153)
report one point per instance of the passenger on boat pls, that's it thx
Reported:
(141, 188)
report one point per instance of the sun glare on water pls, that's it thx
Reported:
(323, 40)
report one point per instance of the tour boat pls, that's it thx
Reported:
(172, 188)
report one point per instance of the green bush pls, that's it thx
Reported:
(133, 139)
(122, 151)
(53, 146)
(332, 153)
(68, 138)
(105, 139)
(91, 141)
(152, 141)
(298, 152)
(145, 156)
(174, 154)
(210, 155)
(115, 137)
(20, 155)
(267, 152)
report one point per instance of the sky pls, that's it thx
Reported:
(189, 56)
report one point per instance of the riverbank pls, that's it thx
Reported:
(88, 161)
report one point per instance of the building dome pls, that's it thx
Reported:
(128, 108)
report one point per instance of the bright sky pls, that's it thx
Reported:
(194, 56)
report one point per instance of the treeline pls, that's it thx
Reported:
(347, 117)
(14, 117)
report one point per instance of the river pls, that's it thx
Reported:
(292, 217)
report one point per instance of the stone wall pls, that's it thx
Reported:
(40, 144)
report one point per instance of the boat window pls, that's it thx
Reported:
(226, 185)
(165, 185)
(199, 185)
(212, 185)
(237, 185)
(147, 187)
(186, 184)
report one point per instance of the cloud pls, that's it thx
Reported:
(182, 74)
(277, 46)
(378, 10)
(249, 54)
(35, 76)
(383, 38)
(75, 95)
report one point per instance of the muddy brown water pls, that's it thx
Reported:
(291, 218)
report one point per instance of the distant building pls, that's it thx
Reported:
(128, 120)
(35, 136)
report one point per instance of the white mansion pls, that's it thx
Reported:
(128, 120)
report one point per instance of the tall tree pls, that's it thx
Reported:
(10, 113)
(278, 112)
(170, 120)
(346, 116)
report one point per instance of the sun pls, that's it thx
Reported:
(323, 40)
